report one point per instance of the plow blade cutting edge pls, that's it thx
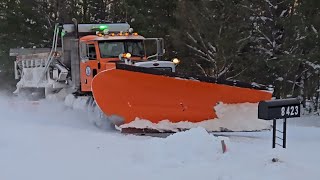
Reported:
(129, 93)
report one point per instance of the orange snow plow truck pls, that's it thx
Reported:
(104, 69)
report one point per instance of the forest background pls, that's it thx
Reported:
(272, 42)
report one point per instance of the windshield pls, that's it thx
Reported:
(112, 49)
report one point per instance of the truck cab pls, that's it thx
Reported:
(109, 46)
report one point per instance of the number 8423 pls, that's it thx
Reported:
(290, 111)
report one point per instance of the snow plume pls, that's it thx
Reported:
(44, 112)
(231, 117)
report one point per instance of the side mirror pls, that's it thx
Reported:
(159, 46)
(152, 56)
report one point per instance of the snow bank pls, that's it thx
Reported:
(239, 117)
(195, 145)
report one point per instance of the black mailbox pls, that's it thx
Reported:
(279, 109)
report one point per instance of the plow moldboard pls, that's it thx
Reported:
(153, 97)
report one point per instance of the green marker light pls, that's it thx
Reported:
(103, 27)
(63, 33)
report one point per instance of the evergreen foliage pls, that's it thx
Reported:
(268, 41)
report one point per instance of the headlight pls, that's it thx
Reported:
(127, 55)
(176, 61)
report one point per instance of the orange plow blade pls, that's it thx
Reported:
(130, 94)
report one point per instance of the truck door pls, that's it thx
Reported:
(89, 67)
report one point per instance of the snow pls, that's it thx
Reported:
(78, 103)
(32, 77)
(231, 117)
(280, 79)
(313, 65)
(263, 18)
(283, 12)
(271, 5)
(46, 140)
(314, 29)
(30, 21)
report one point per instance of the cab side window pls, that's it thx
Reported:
(92, 52)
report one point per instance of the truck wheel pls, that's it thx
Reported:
(97, 117)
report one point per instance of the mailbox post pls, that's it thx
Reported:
(279, 109)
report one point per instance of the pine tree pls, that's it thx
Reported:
(214, 33)
(23, 24)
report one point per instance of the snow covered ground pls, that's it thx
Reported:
(51, 142)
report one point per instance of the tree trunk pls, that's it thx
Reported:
(316, 107)
(302, 90)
